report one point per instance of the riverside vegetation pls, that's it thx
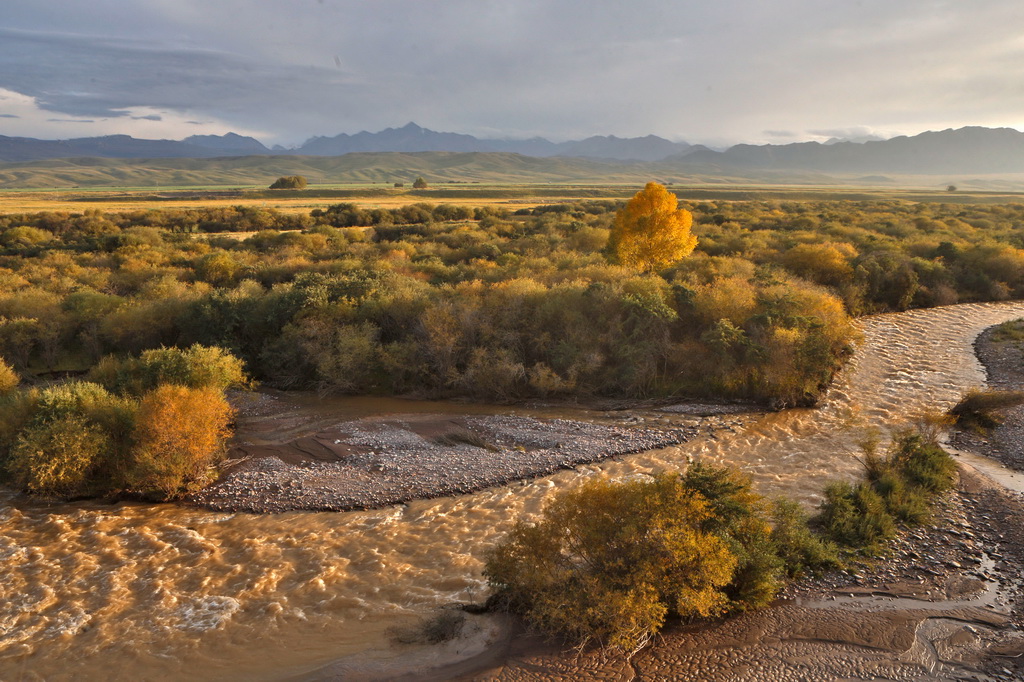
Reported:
(443, 300)
(609, 563)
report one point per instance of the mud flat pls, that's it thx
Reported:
(286, 461)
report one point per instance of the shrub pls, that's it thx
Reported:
(922, 463)
(59, 437)
(899, 487)
(738, 516)
(195, 367)
(977, 410)
(800, 550)
(16, 409)
(856, 517)
(8, 378)
(54, 456)
(180, 433)
(608, 562)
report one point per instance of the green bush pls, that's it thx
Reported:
(64, 435)
(54, 456)
(799, 548)
(738, 516)
(856, 516)
(194, 367)
(899, 487)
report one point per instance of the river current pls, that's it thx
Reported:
(158, 592)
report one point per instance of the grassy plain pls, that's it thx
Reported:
(511, 196)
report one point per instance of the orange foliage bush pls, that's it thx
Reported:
(179, 434)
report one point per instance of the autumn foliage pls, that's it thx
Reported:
(609, 562)
(180, 433)
(157, 433)
(652, 232)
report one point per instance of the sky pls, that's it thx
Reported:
(702, 71)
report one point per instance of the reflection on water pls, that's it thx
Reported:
(128, 591)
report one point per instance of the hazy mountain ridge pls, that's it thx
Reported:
(345, 158)
(964, 150)
(409, 138)
(413, 138)
(127, 147)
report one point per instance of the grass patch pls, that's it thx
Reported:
(1012, 331)
(978, 410)
(898, 489)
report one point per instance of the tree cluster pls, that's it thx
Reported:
(443, 300)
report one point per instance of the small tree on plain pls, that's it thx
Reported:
(420, 183)
(290, 182)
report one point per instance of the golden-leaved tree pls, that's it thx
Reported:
(652, 232)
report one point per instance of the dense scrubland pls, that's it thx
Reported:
(444, 300)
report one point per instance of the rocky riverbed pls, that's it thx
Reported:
(373, 462)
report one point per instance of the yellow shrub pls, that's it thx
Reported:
(179, 434)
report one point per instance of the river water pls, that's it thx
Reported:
(157, 592)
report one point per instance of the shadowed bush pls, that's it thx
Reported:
(978, 410)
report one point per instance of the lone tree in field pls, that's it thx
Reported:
(290, 182)
(420, 183)
(652, 232)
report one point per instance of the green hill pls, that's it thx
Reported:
(386, 167)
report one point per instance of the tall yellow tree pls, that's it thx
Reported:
(652, 232)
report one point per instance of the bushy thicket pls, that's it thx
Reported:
(156, 433)
(899, 488)
(610, 562)
(442, 300)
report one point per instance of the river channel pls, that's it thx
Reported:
(159, 592)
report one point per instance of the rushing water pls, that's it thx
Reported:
(91, 591)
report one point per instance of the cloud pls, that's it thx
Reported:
(32, 120)
(735, 70)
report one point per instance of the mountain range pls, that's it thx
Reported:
(407, 139)
(974, 150)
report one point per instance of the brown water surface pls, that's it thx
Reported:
(101, 592)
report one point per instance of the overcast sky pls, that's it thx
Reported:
(712, 71)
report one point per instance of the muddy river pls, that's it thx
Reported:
(127, 591)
